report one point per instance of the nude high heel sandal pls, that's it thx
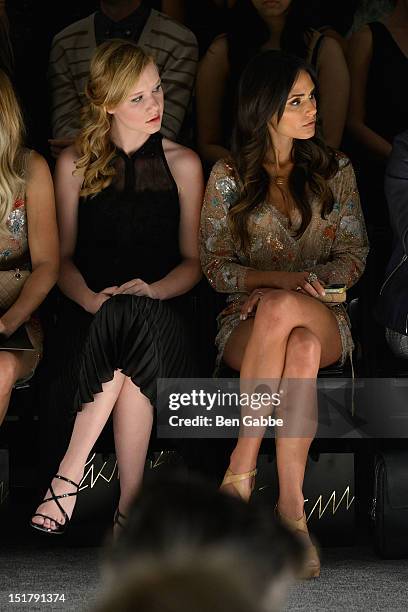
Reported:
(312, 563)
(236, 481)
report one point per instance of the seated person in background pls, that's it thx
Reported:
(281, 219)
(172, 46)
(255, 26)
(28, 243)
(128, 204)
(392, 307)
(206, 18)
(187, 546)
(377, 58)
(333, 18)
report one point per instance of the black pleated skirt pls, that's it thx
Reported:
(139, 336)
(146, 339)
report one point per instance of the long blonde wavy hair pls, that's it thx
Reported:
(12, 152)
(115, 67)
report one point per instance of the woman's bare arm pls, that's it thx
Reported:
(67, 188)
(359, 56)
(42, 242)
(211, 85)
(334, 85)
(186, 168)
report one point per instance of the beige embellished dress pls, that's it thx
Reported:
(335, 248)
(14, 253)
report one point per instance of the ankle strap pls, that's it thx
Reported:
(230, 477)
(67, 480)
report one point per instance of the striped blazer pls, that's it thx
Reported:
(173, 46)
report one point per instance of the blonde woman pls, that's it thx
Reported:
(28, 242)
(128, 204)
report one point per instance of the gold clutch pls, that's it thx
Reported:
(333, 298)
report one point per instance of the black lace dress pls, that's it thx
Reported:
(127, 231)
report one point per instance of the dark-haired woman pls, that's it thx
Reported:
(257, 25)
(281, 219)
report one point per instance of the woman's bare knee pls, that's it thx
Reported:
(276, 311)
(8, 372)
(303, 350)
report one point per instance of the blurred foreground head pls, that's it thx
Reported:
(188, 547)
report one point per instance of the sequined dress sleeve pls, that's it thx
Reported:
(348, 251)
(223, 266)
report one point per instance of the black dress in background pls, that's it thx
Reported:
(386, 114)
(387, 85)
(127, 231)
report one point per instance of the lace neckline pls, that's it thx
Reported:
(148, 149)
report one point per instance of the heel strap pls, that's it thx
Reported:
(230, 477)
(118, 518)
(293, 524)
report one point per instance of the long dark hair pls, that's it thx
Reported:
(263, 91)
(247, 33)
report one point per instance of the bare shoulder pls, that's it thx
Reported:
(38, 179)
(69, 155)
(331, 48)
(66, 163)
(216, 55)
(219, 47)
(361, 39)
(37, 167)
(181, 160)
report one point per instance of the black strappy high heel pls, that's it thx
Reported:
(61, 527)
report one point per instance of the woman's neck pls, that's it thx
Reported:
(119, 10)
(129, 142)
(275, 26)
(279, 155)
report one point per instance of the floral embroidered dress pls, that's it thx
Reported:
(335, 248)
(14, 253)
